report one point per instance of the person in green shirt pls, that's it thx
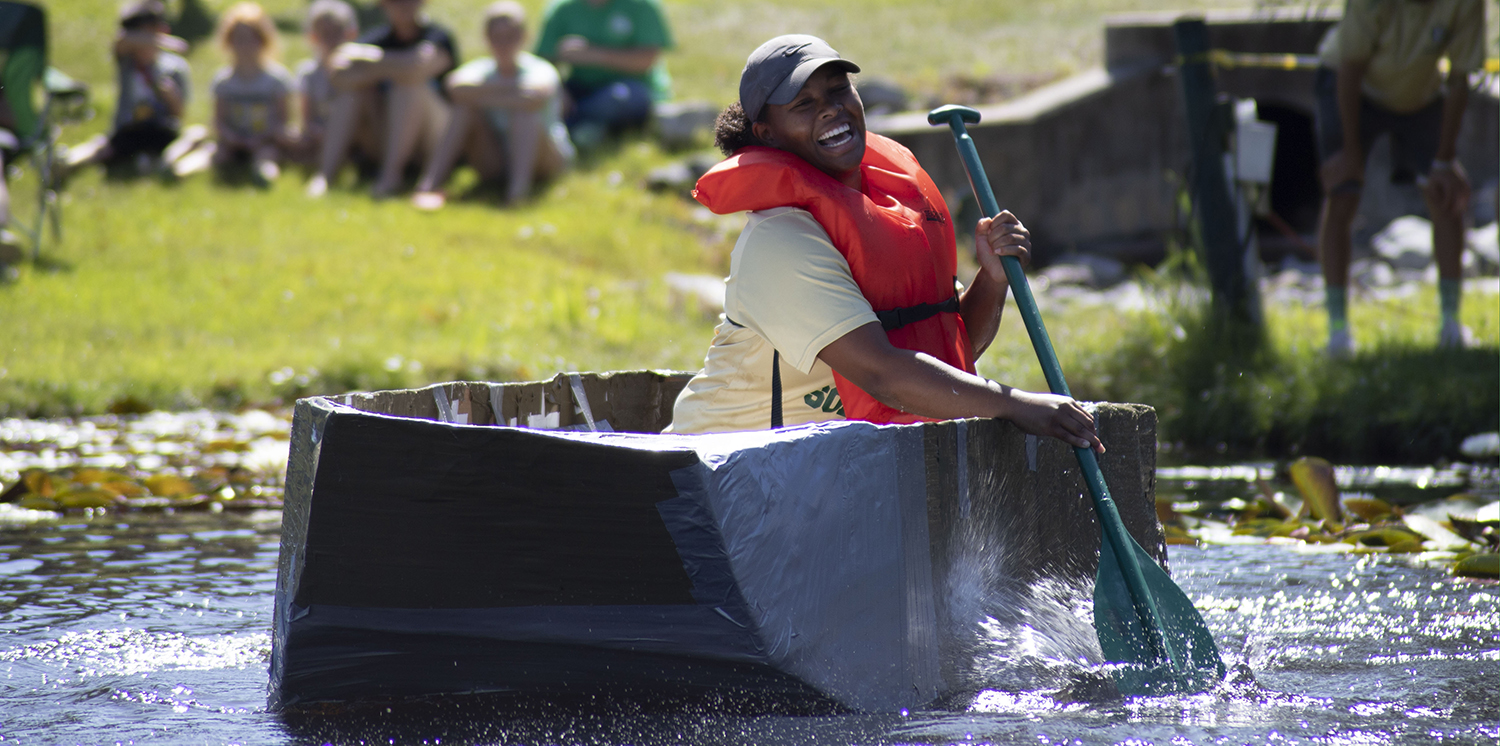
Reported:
(612, 49)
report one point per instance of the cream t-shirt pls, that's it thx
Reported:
(790, 290)
(1402, 41)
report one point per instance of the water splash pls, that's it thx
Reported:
(127, 652)
(1017, 636)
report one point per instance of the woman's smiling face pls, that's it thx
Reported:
(824, 125)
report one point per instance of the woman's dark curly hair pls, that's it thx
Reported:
(732, 130)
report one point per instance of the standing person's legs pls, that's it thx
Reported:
(413, 112)
(1414, 141)
(1334, 248)
(1340, 204)
(1447, 248)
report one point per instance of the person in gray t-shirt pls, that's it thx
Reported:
(154, 82)
(252, 94)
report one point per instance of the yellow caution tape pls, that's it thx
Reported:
(1229, 60)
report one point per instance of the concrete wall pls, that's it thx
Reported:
(1084, 162)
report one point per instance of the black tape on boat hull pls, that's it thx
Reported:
(362, 664)
(421, 557)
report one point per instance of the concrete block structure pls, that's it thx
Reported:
(1086, 162)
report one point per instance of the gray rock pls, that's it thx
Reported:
(882, 96)
(1085, 269)
(700, 294)
(679, 124)
(1372, 273)
(1485, 202)
(1068, 274)
(1406, 242)
(680, 175)
(1483, 445)
(1484, 245)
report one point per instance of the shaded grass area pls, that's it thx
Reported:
(1400, 400)
(1218, 395)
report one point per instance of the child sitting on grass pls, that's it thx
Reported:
(154, 82)
(330, 23)
(250, 94)
(388, 105)
(507, 115)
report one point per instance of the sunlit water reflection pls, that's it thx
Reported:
(150, 628)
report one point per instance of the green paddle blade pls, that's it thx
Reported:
(1140, 668)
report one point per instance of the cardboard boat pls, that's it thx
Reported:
(545, 537)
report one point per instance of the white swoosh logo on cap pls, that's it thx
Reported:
(796, 49)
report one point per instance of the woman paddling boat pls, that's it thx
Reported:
(843, 298)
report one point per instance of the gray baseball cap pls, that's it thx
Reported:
(778, 69)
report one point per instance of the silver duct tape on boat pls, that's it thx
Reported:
(825, 530)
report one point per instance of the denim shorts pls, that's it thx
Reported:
(1414, 135)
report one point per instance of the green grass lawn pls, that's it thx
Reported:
(178, 295)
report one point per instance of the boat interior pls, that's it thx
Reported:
(625, 401)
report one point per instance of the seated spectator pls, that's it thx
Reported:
(387, 100)
(613, 48)
(506, 115)
(330, 23)
(250, 95)
(154, 83)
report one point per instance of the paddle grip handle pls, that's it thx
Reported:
(1112, 528)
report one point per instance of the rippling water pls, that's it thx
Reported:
(144, 628)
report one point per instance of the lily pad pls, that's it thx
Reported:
(38, 502)
(1485, 565)
(222, 446)
(125, 488)
(1437, 535)
(1388, 536)
(96, 476)
(89, 497)
(1369, 508)
(169, 485)
(1320, 493)
(1483, 533)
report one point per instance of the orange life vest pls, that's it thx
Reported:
(896, 235)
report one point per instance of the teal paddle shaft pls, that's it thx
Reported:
(1116, 539)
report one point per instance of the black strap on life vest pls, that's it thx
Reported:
(899, 317)
(776, 420)
(895, 318)
(775, 389)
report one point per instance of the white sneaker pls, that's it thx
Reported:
(194, 161)
(317, 186)
(1454, 336)
(1340, 345)
(266, 172)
